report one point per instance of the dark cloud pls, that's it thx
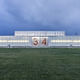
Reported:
(41, 15)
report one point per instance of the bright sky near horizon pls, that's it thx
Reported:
(53, 15)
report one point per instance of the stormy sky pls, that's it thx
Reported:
(56, 15)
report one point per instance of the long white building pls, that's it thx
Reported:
(38, 39)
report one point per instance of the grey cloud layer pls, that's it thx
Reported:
(44, 12)
(47, 11)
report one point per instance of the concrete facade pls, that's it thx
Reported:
(39, 39)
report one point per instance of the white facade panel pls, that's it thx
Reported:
(39, 33)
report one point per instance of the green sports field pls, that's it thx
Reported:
(40, 64)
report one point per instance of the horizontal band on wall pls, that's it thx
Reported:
(14, 40)
(76, 41)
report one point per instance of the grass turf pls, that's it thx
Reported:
(40, 64)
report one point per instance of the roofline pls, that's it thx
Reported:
(40, 31)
